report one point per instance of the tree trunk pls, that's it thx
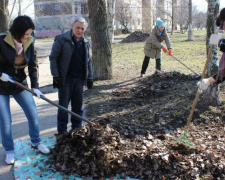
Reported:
(172, 18)
(211, 95)
(101, 49)
(111, 12)
(10, 15)
(190, 32)
(19, 13)
(4, 14)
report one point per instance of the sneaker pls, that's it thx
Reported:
(9, 159)
(142, 75)
(42, 148)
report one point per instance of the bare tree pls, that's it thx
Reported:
(182, 13)
(101, 46)
(190, 32)
(199, 19)
(14, 3)
(4, 15)
(124, 14)
(212, 93)
(20, 7)
(25, 6)
(172, 16)
(168, 11)
(62, 23)
(62, 16)
(111, 14)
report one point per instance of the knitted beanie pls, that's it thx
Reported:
(159, 22)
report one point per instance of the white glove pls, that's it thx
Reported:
(6, 78)
(203, 85)
(214, 39)
(38, 93)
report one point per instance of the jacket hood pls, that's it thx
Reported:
(9, 39)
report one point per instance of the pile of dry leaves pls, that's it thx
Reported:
(137, 36)
(137, 136)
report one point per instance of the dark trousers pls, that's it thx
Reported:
(146, 62)
(72, 91)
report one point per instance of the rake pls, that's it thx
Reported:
(53, 103)
(183, 139)
(197, 77)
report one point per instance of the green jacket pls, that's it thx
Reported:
(153, 44)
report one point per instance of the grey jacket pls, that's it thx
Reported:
(153, 44)
(60, 57)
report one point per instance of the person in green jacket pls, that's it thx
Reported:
(153, 46)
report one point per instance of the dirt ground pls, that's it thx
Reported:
(150, 114)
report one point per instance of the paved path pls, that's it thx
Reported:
(47, 112)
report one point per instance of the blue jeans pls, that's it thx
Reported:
(26, 101)
(72, 91)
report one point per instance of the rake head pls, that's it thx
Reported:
(183, 140)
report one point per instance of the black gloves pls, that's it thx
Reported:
(89, 83)
(57, 83)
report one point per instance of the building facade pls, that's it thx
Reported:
(55, 17)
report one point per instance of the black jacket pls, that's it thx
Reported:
(7, 59)
(61, 53)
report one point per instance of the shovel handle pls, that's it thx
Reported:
(53, 103)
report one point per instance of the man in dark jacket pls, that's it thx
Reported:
(71, 68)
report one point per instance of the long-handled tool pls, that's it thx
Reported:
(197, 77)
(51, 102)
(183, 139)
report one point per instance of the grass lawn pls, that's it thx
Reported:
(191, 53)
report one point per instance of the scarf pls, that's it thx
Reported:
(221, 69)
(160, 33)
(18, 46)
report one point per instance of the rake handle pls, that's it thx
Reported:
(198, 93)
(185, 65)
(53, 103)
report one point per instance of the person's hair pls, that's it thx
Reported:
(220, 18)
(80, 19)
(20, 25)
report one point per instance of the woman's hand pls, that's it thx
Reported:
(38, 93)
(5, 77)
(214, 39)
(164, 49)
(170, 52)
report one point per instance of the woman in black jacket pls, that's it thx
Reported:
(16, 53)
